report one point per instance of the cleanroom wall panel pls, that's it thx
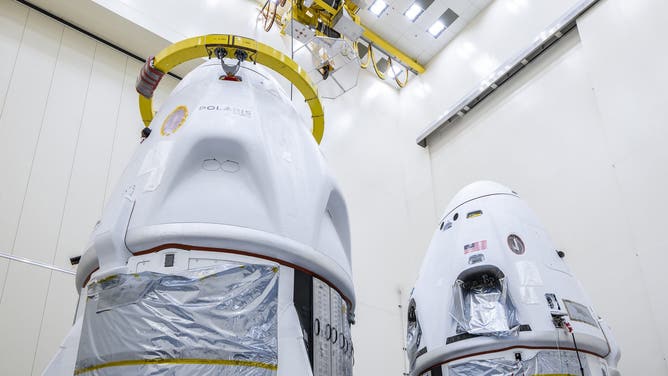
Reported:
(20, 316)
(43, 158)
(24, 290)
(46, 192)
(45, 195)
(4, 267)
(627, 69)
(67, 100)
(12, 23)
(93, 154)
(21, 118)
(87, 182)
(642, 178)
(57, 318)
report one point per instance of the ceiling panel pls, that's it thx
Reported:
(412, 38)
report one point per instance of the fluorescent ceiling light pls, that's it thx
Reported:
(378, 7)
(413, 12)
(436, 28)
(417, 8)
(443, 22)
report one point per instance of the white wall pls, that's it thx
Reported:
(627, 72)
(69, 121)
(579, 135)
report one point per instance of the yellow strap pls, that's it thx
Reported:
(363, 64)
(215, 362)
(380, 74)
(260, 53)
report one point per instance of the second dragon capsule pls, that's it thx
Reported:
(494, 297)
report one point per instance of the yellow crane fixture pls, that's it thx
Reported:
(339, 19)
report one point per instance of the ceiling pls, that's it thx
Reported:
(409, 37)
(412, 38)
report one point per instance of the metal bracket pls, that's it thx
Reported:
(230, 70)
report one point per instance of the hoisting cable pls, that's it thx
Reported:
(269, 14)
(380, 74)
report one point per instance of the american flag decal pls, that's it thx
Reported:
(475, 247)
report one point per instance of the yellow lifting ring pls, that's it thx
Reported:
(204, 46)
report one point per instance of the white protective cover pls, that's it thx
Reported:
(241, 178)
(487, 214)
(241, 173)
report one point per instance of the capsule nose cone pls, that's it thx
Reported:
(484, 188)
(478, 189)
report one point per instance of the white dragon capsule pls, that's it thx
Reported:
(225, 248)
(494, 297)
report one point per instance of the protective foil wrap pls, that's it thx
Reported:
(484, 309)
(488, 367)
(551, 362)
(556, 363)
(221, 320)
(413, 337)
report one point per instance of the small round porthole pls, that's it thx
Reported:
(516, 244)
(454, 218)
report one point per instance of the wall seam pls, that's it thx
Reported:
(32, 163)
(2, 112)
(113, 141)
(62, 215)
(16, 58)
